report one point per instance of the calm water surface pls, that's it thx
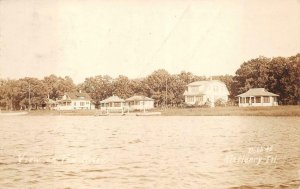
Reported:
(149, 152)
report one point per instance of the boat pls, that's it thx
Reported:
(13, 113)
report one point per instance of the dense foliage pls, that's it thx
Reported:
(278, 75)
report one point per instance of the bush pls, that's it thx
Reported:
(220, 102)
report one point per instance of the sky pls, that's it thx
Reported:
(84, 38)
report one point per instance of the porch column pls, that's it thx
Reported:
(254, 100)
(261, 100)
(239, 101)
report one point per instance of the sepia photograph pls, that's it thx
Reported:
(137, 94)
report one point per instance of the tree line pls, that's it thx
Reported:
(280, 75)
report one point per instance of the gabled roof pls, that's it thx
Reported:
(186, 93)
(139, 98)
(198, 83)
(204, 87)
(78, 96)
(50, 101)
(257, 92)
(112, 99)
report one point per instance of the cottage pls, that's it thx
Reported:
(139, 103)
(257, 97)
(51, 104)
(113, 104)
(75, 101)
(206, 92)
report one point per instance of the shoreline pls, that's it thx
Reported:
(289, 111)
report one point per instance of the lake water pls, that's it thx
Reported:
(149, 152)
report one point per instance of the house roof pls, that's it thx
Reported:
(204, 87)
(257, 92)
(112, 99)
(139, 98)
(186, 93)
(198, 83)
(78, 96)
(50, 101)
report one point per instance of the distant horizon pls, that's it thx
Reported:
(140, 77)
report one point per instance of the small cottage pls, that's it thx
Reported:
(75, 101)
(258, 97)
(51, 104)
(139, 103)
(113, 104)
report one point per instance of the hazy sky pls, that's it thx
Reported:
(134, 37)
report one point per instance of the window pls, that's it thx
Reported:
(74, 103)
(252, 99)
(117, 104)
(87, 102)
(82, 103)
(242, 100)
(199, 98)
(190, 99)
(194, 89)
(247, 99)
(257, 99)
(266, 99)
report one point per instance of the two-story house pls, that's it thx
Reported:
(205, 92)
(75, 101)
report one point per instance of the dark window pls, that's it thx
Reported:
(257, 99)
(266, 99)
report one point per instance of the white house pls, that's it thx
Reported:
(206, 92)
(257, 97)
(139, 103)
(75, 101)
(113, 104)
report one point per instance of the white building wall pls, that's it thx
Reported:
(77, 105)
(148, 105)
(212, 93)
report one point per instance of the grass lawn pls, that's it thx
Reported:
(235, 111)
(64, 112)
(217, 111)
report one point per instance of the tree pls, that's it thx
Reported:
(57, 86)
(98, 87)
(156, 84)
(278, 75)
(122, 87)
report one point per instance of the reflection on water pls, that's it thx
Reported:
(149, 152)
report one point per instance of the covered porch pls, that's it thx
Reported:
(258, 101)
(113, 104)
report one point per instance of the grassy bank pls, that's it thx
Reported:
(64, 113)
(235, 111)
(217, 111)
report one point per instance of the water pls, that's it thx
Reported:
(149, 152)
